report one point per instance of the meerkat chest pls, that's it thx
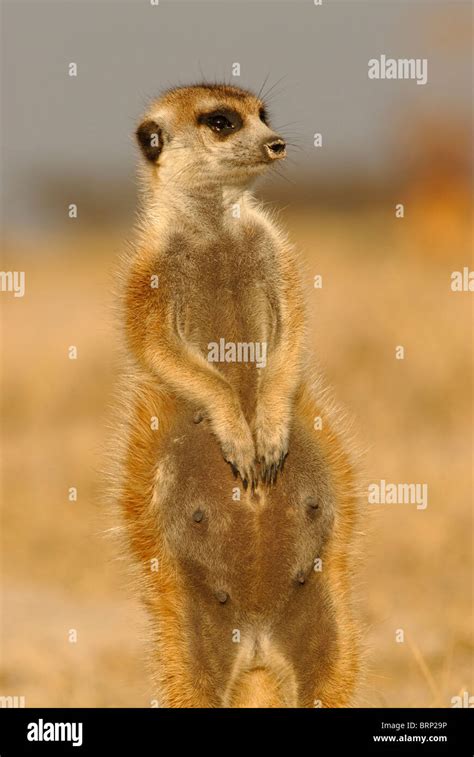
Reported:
(226, 288)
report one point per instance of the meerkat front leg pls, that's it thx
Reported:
(157, 345)
(273, 415)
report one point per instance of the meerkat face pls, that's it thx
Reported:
(205, 134)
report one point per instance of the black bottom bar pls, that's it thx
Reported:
(151, 731)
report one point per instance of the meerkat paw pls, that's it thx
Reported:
(272, 448)
(239, 451)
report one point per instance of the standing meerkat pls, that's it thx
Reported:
(239, 510)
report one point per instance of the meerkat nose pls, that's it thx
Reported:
(275, 149)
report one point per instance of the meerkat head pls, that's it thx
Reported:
(209, 134)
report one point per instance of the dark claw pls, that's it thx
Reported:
(254, 481)
(245, 483)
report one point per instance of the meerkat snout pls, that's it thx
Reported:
(275, 149)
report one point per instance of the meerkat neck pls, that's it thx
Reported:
(196, 208)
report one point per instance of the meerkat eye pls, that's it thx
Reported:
(221, 122)
(263, 115)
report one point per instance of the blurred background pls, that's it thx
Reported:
(386, 283)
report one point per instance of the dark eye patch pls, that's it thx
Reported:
(263, 115)
(222, 121)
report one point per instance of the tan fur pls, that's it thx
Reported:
(240, 618)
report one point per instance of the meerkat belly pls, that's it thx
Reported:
(251, 551)
(251, 562)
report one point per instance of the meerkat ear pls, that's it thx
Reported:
(150, 139)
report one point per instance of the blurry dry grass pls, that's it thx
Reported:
(381, 288)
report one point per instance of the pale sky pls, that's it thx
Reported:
(128, 51)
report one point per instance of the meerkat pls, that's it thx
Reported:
(238, 508)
